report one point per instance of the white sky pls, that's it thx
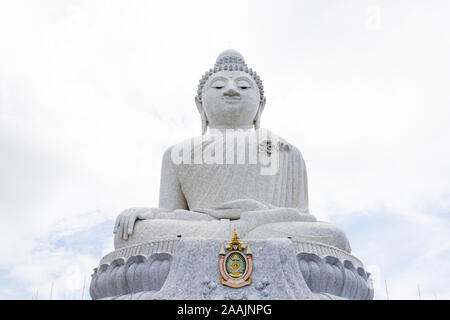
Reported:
(92, 92)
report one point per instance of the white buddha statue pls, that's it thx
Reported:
(208, 187)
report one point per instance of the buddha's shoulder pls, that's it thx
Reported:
(180, 149)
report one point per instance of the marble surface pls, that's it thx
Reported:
(191, 272)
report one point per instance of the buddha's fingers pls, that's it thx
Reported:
(120, 226)
(118, 223)
(131, 221)
(125, 228)
(116, 226)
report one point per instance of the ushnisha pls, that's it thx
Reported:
(209, 199)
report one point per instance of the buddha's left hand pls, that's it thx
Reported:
(233, 209)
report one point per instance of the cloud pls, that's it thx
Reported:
(401, 251)
(57, 266)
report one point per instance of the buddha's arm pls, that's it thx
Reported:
(170, 195)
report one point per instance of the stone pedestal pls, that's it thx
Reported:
(188, 268)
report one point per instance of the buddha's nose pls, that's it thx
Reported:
(231, 93)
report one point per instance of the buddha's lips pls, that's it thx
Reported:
(231, 99)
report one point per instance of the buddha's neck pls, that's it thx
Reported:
(227, 129)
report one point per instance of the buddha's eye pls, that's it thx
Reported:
(243, 85)
(219, 84)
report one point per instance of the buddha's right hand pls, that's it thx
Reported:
(125, 221)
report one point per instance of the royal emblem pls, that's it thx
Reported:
(235, 266)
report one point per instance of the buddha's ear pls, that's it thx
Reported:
(202, 115)
(257, 120)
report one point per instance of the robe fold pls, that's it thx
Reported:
(208, 185)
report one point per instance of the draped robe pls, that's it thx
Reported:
(206, 185)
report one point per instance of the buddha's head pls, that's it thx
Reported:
(231, 95)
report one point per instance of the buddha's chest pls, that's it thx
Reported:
(206, 185)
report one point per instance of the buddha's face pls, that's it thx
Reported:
(230, 99)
